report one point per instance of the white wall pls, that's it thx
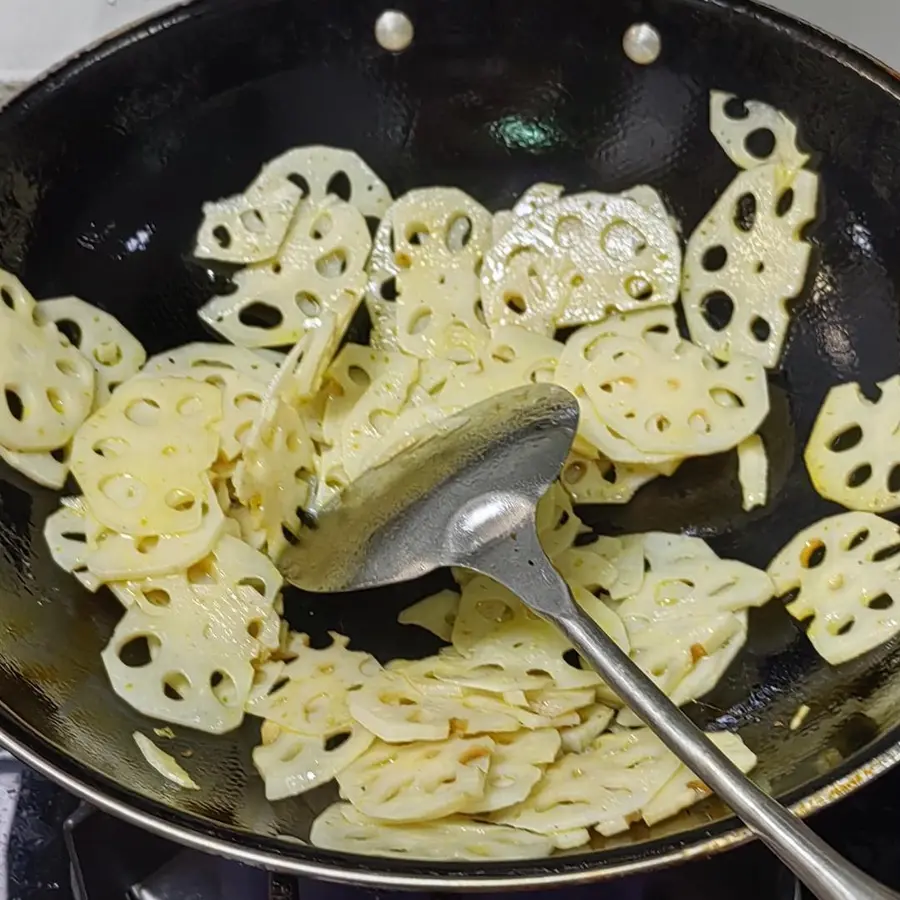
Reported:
(872, 25)
(35, 33)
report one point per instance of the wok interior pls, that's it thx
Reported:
(103, 171)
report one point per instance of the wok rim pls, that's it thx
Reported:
(108, 796)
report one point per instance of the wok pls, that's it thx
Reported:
(104, 165)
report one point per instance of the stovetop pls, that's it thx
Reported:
(52, 847)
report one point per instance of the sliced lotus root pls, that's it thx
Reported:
(79, 544)
(598, 253)
(242, 398)
(291, 764)
(746, 260)
(331, 478)
(348, 377)
(437, 226)
(329, 172)
(753, 471)
(691, 662)
(556, 522)
(622, 250)
(245, 522)
(273, 479)
(49, 468)
(753, 133)
(383, 316)
(267, 675)
(343, 828)
(224, 357)
(664, 549)
(231, 564)
(692, 580)
(477, 673)
(656, 325)
(853, 453)
(436, 313)
(565, 840)
(429, 229)
(164, 763)
(320, 268)
(650, 199)
(614, 565)
(375, 412)
(436, 614)
(392, 707)
(241, 377)
(604, 787)
(598, 480)
(523, 288)
(555, 704)
(114, 352)
(48, 385)
(141, 460)
(67, 532)
(538, 197)
(514, 357)
(493, 626)
(684, 789)
(435, 209)
(503, 220)
(677, 402)
(120, 557)
(840, 578)
(417, 782)
(593, 721)
(433, 375)
(596, 440)
(309, 360)
(399, 707)
(690, 605)
(317, 684)
(247, 228)
(187, 655)
(473, 713)
(529, 274)
(711, 665)
(606, 617)
(15, 296)
(488, 610)
(517, 765)
(251, 227)
(533, 293)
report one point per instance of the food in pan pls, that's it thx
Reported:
(164, 763)
(840, 577)
(197, 466)
(753, 471)
(853, 454)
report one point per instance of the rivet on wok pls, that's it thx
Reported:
(394, 30)
(642, 44)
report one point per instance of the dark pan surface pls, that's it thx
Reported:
(103, 169)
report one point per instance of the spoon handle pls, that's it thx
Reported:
(827, 874)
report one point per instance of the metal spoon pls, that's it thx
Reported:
(466, 497)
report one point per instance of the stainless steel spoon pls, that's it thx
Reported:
(466, 497)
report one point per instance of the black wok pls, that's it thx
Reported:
(104, 165)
